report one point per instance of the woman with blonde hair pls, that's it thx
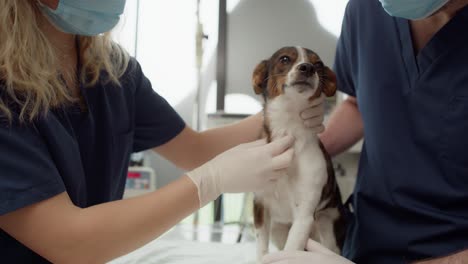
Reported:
(73, 107)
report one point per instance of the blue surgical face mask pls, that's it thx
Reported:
(412, 9)
(85, 17)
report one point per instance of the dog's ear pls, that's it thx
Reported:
(329, 86)
(259, 77)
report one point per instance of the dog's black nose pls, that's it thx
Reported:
(305, 68)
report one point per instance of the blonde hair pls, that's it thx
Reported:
(29, 66)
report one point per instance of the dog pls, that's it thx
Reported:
(306, 203)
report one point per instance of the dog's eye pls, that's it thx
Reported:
(285, 59)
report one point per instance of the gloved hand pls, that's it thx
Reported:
(316, 253)
(246, 168)
(313, 115)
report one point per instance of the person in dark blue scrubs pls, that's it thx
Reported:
(404, 65)
(410, 80)
(73, 107)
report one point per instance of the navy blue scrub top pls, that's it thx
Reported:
(83, 153)
(411, 196)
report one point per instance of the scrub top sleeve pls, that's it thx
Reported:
(343, 63)
(156, 122)
(27, 172)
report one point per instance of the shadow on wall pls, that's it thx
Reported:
(256, 29)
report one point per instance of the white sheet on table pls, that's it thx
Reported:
(177, 252)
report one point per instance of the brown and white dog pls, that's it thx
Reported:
(306, 203)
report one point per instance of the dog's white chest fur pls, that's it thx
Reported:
(292, 201)
(308, 173)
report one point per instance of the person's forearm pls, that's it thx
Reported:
(64, 233)
(216, 140)
(190, 149)
(344, 128)
(459, 258)
(113, 229)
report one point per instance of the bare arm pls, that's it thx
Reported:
(459, 258)
(344, 127)
(191, 149)
(64, 233)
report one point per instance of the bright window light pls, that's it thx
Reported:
(330, 14)
(165, 44)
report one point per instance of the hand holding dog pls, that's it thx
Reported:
(315, 253)
(246, 168)
(313, 115)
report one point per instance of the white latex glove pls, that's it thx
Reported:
(313, 115)
(316, 253)
(246, 168)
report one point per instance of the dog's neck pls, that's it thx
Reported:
(283, 117)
